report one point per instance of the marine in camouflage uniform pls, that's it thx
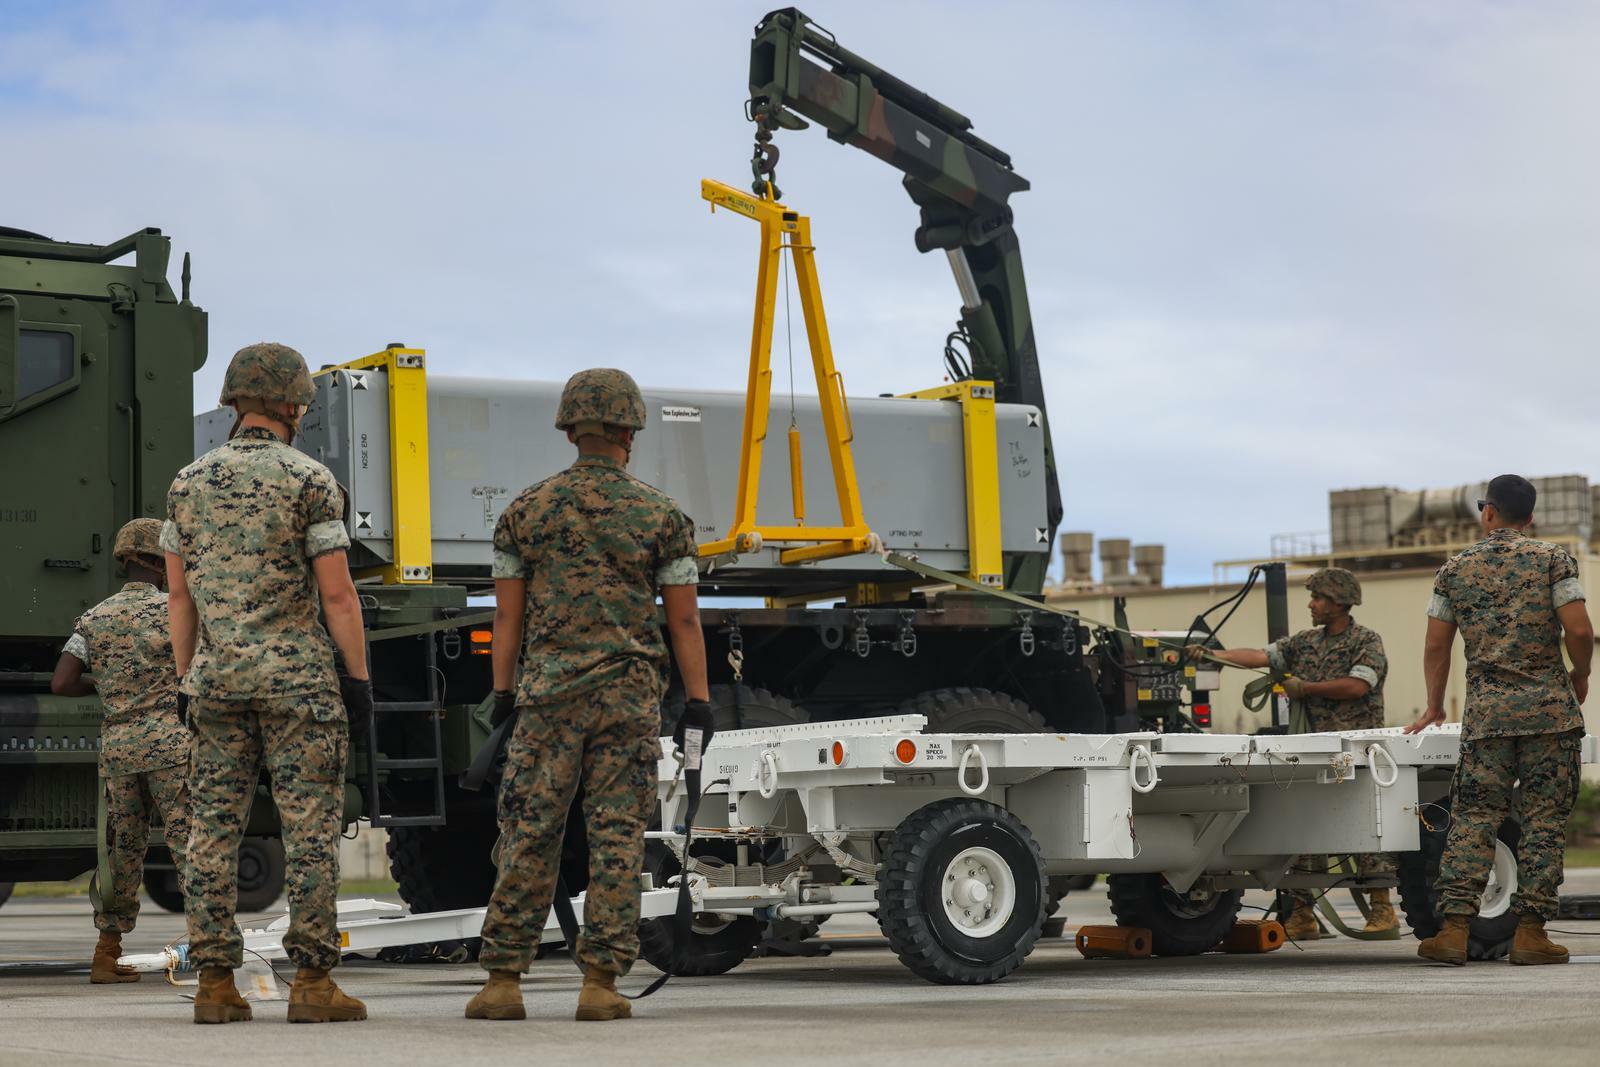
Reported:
(144, 747)
(1335, 653)
(591, 548)
(245, 523)
(1510, 596)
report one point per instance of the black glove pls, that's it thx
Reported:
(183, 710)
(356, 695)
(696, 716)
(505, 706)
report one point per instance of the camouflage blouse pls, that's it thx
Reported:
(125, 644)
(594, 545)
(1503, 593)
(1313, 656)
(248, 518)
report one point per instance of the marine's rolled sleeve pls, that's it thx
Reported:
(1564, 584)
(509, 562)
(77, 648)
(681, 571)
(1365, 673)
(1439, 608)
(169, 537)
(1280, 655)
(323, 502)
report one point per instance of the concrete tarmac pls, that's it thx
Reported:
(1332, 1001)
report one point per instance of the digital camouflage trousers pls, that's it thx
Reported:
(1547, 768)
(133, 802)
(608, 737)
(302, 741)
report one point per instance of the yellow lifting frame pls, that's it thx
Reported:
(411, 544)
(981, 450)
(783, 230)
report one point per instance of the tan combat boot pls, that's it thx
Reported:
(218, 1000)
(1381, 918)
(598, 1000)
(1449, 945)
(1531, 946)
(313, 998)
(500, 998)
(103, 968)
(1302, 924)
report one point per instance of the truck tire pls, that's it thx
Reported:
(5, 891)
(1178, 925)
(162, 886)
(754, 708)
(1489, 938)
(442, 869)
(717, 944)
(261, 873)
(944, 862)
(974, 711)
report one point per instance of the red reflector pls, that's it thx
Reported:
(1202, 715)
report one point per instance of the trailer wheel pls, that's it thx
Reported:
(717, 943)
(1179, 925)
(1491, 932)
(974, 711)
(961, 896)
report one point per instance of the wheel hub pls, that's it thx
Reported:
(979, 892)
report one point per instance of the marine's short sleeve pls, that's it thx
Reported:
(77, 647)
(508, 558)
(1439, 606)
(677, 537)
(1564, 584)
(1280, 655)
(681, 571)
(1371, 664)
(169, 528)
(322, 501)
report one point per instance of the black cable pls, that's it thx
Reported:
(957, 363)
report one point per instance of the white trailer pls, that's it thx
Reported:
(950, 838)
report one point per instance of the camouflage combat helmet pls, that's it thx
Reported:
(268, 371)
(1336, 584)
(141, 537)
(601, 395)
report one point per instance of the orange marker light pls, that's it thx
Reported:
(838, 753)
(906, 750)
(484, 638)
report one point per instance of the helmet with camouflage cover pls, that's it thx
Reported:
(141, 537)
(601, 395)
(268, 371)
(1337, 584)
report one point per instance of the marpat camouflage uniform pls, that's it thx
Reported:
(248, 518)
(1521, 723)
(144, 747)
(1314, 656)
(594, 545)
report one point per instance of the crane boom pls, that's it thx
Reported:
(961, 184)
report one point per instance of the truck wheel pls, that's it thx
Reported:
(441, 870)
(1179, 925)
(163, 889)
(974, 711)
(755, 707)
(5, 891)
(1492, 930)
(261, 873)
(961, 895)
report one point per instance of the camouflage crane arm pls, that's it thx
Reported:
(961, 183)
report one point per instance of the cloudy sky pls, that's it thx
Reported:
(1272, 248)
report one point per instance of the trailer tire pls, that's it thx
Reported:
(963, 710)
(1178, 926)
(716, 945)
(1417, 873)
(923, 856)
